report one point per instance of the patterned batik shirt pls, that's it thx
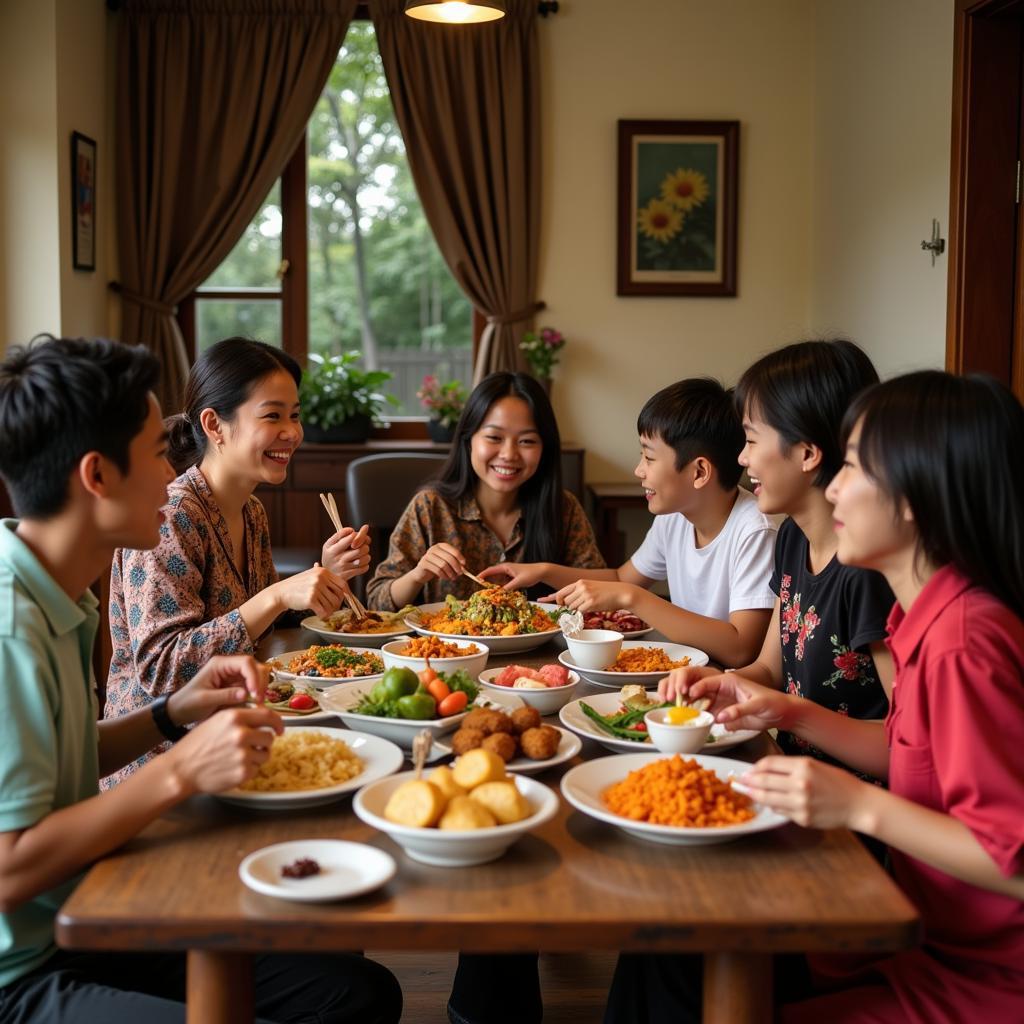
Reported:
(827, 623)
(429, 520)
(175, 606)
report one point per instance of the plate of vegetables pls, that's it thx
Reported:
(616, 721)
(403, 702)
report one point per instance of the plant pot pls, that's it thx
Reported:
(351, 431)
(439, 433)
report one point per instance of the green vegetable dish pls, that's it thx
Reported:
(401, 694)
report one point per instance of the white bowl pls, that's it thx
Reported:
(602, 677)
(687, 738)
(340, 699)
(449, 849)
(498, 644)
(584, 785)
(548, 701)
(594, 648)
(473, 664)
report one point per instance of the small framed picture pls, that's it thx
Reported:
(83, 202)
(678, 186)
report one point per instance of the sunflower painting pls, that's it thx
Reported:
(677, 207)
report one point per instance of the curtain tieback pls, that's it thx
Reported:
(141, 300)
(514, 318)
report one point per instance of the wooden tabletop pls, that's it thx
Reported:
(574, 884)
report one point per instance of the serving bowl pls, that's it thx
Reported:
(548, 701)
(686, 738)
(594, 648)
(497, 644)
(450, 849)
(473, 664)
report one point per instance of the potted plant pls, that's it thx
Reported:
(444, 402)
(541, 349)
(340, 400)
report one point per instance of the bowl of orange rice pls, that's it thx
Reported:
(639, 661)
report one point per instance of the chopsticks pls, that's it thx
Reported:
(477, 579)
(331, 507)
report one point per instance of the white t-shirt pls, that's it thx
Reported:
(728, 575)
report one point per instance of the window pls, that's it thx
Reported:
(340, 256)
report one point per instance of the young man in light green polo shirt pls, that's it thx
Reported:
(82, 452)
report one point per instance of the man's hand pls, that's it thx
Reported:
(519, 575)
(224, 681)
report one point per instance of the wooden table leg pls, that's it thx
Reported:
(219, 988)
(737, 988)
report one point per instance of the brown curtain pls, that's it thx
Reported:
(467, 101)
(213, 97)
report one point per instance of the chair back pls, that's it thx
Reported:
(378, 488)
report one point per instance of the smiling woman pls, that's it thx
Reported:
(209, 586)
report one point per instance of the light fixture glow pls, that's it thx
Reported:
(455, 12)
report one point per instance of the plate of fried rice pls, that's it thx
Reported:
(639, 662)
(315, 766)
(503, 620)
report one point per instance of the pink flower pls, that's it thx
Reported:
(848, 663)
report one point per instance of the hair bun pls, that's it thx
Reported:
(183, 449)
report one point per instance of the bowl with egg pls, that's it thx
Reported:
(681, 729)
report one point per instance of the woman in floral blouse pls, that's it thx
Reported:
(210, 587)
(498, 498)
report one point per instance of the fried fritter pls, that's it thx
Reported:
(525, 718)
(540, 744)
(467, 739)
(502, 744)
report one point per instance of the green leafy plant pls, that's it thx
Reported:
(337, 389)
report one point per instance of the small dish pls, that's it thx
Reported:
(686, 738)
(346, 870)
(473, 664)
(594, 648)
(548, 701)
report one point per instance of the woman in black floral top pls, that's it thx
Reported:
(826, 642)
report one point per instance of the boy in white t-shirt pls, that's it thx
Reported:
(708, 538)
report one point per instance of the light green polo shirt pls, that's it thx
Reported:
(49, 755)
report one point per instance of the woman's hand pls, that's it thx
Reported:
(226, 750)
(317, 589)
(736, 702)
(593, 596)
(806, 791)
(441, 561)
(347, 552)
(224, 681)
(520, 575)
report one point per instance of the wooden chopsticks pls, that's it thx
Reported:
(477, 579)
(331, 506)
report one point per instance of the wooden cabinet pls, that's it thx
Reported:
(297, 519)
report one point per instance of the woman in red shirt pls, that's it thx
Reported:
(932, 496)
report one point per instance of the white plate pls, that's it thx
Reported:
(583, 785)
(568, 747)
(449, 849)
(346, 870)
(340, 699)
(284, 659)
(317, 625)
(602, 677)
(546, 701)
(573, 717)
(380, 759)
(496, 644)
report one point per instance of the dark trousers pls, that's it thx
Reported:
(496, 989)
(143, 988)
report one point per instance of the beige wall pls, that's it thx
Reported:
(29, 227)
(604, 60)
(882, 116)
(53, 80)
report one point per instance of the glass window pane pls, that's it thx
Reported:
(254, 261)
(377, 282)
(216, 319)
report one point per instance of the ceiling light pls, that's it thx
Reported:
(455, 12)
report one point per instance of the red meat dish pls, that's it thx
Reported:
(553, 675)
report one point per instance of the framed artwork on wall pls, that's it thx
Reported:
(83, 202)
(677, 216)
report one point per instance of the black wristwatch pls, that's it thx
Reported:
(163, 721)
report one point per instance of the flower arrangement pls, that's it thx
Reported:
(541, 350)
(443, 401)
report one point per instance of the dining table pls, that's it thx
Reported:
(575, 884)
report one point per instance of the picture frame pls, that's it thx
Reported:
(83, 202)
(677, 207)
